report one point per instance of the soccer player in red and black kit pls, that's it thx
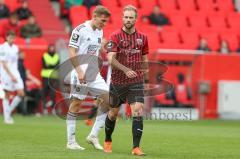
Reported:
(127, 52)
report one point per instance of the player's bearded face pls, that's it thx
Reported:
(129, 19)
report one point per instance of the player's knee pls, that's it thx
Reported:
(104, 100)
(75, 106)
(137, 110)
(21, 93)
(7, 95)
(112, 115)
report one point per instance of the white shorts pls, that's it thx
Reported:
(9, 85)
(81, 91)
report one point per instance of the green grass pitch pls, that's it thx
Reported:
(45, 138)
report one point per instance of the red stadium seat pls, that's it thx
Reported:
(198, 21)
(161, 99)
(178, 20)
(1, 40)
(189, 38)
(78, 14)
(231, 38)
(206, 5)
(152, 34)
(109, 29)
(110, 4)
(170, 38)
(225, 5)
(130, 2)
(38, 41)
(13, 4)
(146, 7)
(217, 21)
(187, 5)
(170, 5)
(21, 42)
(234, 21)
(212, 39)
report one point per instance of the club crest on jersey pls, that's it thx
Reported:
(139, 41)
(75, 38)
(110, 45)
(88, 39)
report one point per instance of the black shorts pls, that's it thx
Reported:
(128, 93)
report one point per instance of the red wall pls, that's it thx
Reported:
(206, 67)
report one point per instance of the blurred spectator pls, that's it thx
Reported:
(238, 50)
(183, 92)
(70, 3)
(22, 71)
(12, 24)
(224, 47)
(21, 67)
(90, 3)
(237, 5)
(203, 45)
(31, 29)
(50, 60)
(32, 88)
(4, 10)
(33, 93)
(158, 18)
(23, 12)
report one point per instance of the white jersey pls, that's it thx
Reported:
(9, 55)
(87, 42)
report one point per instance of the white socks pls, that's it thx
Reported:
(6, 108)
(71, 127)
(98, 125)
(9, 108)
(16, 100)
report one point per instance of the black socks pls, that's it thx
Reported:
(137, 129)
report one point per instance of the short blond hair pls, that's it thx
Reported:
(131, 8)
(101, 10)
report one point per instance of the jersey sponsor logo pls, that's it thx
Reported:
(125, 44)
(75, 38)
(92, 49)
(139, 42)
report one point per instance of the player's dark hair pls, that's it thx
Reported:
(130, 8)
(101, 10)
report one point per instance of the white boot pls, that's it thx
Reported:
(74, 146)
(94, 141)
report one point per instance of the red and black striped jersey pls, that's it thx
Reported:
(129, 49)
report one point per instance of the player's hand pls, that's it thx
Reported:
(14, 80)
(130, 73)
(81, 78)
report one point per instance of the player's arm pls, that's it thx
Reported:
(145, 67)
(116, 64)
(76, 64)
(4, 64)
(103, 46)
(145, 64)
(74, 44)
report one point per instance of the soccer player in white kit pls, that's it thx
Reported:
(10, 78)
(86, 40)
